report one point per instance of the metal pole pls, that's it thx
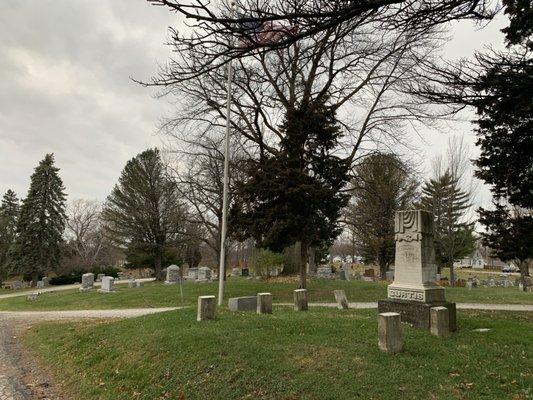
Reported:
(222, 263)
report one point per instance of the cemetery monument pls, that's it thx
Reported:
(414, 290)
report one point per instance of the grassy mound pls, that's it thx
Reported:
(158, 295)
(319, 354)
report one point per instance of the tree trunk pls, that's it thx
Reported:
(303, 264)
(312, 260)
(34, 278)
(452, 275)
(158, 262)
(383, 267)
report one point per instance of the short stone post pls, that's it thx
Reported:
(264, 303)
(390, 333)
(440, 322)
(206, 308)
(340, 298)
(300, 300)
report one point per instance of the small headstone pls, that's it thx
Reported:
(389, 275)
(343, 274)
(245, 272)
(492, 283)
(482, 330)
(99, 277)
(469, 284)
(273, 271)
(438, 277)
(390, 333)
(264, 303)
(440, 322)
(87, 281)
(108, 285)
(247, 303)
(132, 283)
(46, 281)
(235, 272)
(340, 298)
(206, 308)
(173, 275)
(204, 274)
(521, 286)
(17, 285)
(33, 296)
(300, 300)
(139, 284)
(192, 274)
(40, 284)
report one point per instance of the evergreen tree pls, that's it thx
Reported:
(294, 195)
(144, 212)
(383, 184)
(454, 238)
(40, 226)
(9, 211)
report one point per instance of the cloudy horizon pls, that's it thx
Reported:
(65, 70)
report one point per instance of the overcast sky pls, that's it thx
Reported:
(65, 68)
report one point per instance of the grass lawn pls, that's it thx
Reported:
(159, 295)
(319, 354)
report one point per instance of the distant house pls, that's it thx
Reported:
(481, 259)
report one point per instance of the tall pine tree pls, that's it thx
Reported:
(454, 238)
(9, 211)
(37, 247)
(145, 212)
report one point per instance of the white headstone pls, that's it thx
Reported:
(415, 269)
(108, 284)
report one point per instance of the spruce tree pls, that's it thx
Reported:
(453, 238)
(39, 232)
(9, 211)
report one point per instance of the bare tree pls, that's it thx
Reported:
(218, 35)
(83, 231)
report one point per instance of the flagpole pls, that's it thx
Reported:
(224, 227)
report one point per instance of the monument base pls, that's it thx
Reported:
(417, 313)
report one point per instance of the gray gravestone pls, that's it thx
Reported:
(324, 272)
(390, 333)
(46, 281)
(139, 284)
(99, 277)
(17, 285)
(247, 303)
(192, 274)
(87, 281)
(264, 303)
(300, 300)
(40, 284)
(340, 298)
(204, 274)
(173, 275)
(132, 284)
(33, 296)
(206, 308)
(440, 324)
(108, 285)
(236, 272)
(389, 275)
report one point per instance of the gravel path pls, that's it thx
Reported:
(18, 381)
